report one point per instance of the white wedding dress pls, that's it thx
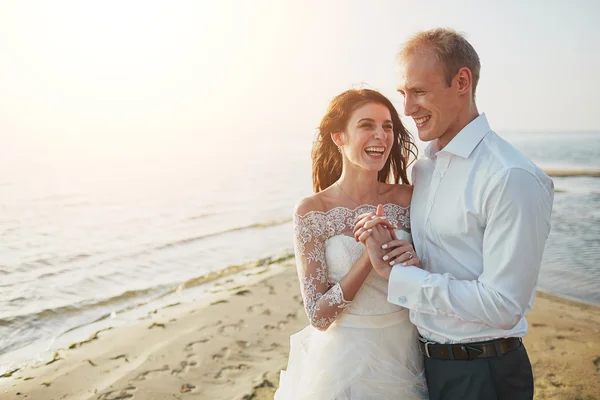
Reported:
(363, 349)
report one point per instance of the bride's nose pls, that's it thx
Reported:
(380, 133)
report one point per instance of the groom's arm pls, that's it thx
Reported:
(518, 223)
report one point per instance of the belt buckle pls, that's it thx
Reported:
(427, 349)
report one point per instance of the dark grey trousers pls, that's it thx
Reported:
(497, 378)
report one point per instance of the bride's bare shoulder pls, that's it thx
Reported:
(398, 194)
(310, 203)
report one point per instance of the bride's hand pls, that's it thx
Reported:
(366, 222)
(400, 252)
(378, 235)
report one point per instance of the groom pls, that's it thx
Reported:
(480, 216)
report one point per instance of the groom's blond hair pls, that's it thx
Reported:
(449, 47)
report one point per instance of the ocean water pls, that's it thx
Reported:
(81, 241)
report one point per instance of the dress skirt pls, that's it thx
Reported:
(357, 357)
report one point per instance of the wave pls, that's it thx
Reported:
(149, 294)
(258, 225)
(53, 261)
(202, 216)
(78, 308)
(102, 309)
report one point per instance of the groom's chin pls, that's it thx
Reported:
(427, 133)
(425, 136)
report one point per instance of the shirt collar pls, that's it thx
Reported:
(465, 141)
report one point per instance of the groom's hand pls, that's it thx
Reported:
(401, 252)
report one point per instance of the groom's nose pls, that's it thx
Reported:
(410, 105)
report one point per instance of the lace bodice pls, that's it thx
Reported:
(325, 252)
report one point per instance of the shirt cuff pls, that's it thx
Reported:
(405, 286)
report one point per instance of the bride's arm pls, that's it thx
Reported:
(323, 301)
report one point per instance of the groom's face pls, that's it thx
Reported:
(428, 99)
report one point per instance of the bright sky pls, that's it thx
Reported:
(119, 77)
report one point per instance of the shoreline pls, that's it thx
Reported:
(190, 291)
(572, 173)
(233, 343)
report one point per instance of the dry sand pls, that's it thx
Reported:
(234, 345)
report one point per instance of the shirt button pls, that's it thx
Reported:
(412, 314)
(401, 299)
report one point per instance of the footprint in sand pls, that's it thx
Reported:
(232, 328)
(272, 346)
(190, 346)
(221, 354)
(281, 324)
(184, 367)
(231, 370)
(254, 307)
(123, 356)
(125, 393)
(292, 315)
(270, 287)
(145, 374)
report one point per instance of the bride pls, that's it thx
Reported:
(358, 345)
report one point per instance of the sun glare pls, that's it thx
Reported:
(112, 74)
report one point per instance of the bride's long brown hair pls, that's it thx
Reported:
(327, 160)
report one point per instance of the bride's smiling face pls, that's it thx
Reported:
(368, 138)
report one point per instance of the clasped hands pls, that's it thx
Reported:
(383, 247)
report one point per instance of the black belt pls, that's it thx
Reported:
(468, 351)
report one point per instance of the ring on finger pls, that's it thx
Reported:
(410, 255)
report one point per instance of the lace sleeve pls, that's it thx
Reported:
(323, 301)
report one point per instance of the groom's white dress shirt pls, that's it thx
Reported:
(480, 217)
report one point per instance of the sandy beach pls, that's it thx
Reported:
(233, 345)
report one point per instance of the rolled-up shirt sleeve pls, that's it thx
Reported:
(517, 213)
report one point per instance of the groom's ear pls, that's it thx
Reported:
(464, 80)
(337, 138)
